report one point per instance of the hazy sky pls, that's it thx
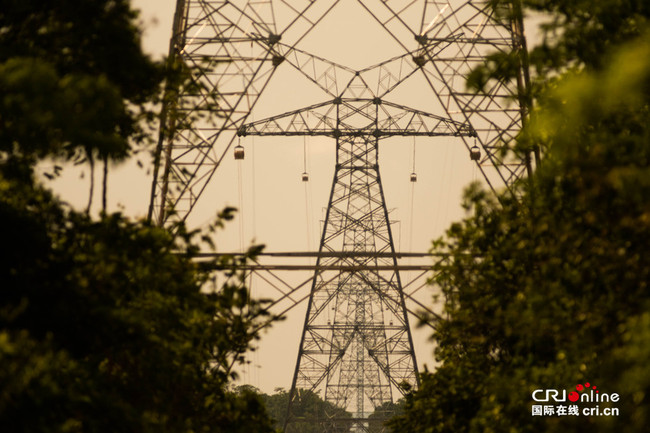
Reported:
(281, 211)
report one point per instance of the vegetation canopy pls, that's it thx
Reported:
(553, 292)
(106, 324)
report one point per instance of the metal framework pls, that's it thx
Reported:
(233, 49)
(356, 347)
(286, 292)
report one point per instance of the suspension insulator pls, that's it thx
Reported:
(475, 153)
(305, 177)
(239, 152)
(414, 177)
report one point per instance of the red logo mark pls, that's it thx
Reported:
(574, 396)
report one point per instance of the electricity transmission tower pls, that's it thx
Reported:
(356, 344)
(356, 348)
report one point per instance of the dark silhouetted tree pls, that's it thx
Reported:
(551, 289)
(106, 325)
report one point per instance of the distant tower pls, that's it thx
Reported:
(356, 348)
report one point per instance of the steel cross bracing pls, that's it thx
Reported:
(289, 295)
(235, 47)
(356, 347)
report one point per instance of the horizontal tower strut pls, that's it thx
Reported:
(357, 117)
(397, 255)
(341, 268)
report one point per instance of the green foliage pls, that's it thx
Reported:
(36, 379)
(107, 319)
(310, 406)
(73, 80)
(377, 419)
(96, 38)
(307, 407)
(551, 289)
(628, 367)
(576, 34)
(501, 65)
(581, 31)
(45, 114)
(106, 325)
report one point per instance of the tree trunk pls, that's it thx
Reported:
(92, 181)
(104, 184)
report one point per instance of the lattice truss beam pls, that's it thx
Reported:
(356, 117)
(236, 46)
(356, 344)
(356, 348)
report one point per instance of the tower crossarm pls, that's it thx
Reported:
(356, 117)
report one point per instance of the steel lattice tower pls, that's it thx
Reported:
(356, 348)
